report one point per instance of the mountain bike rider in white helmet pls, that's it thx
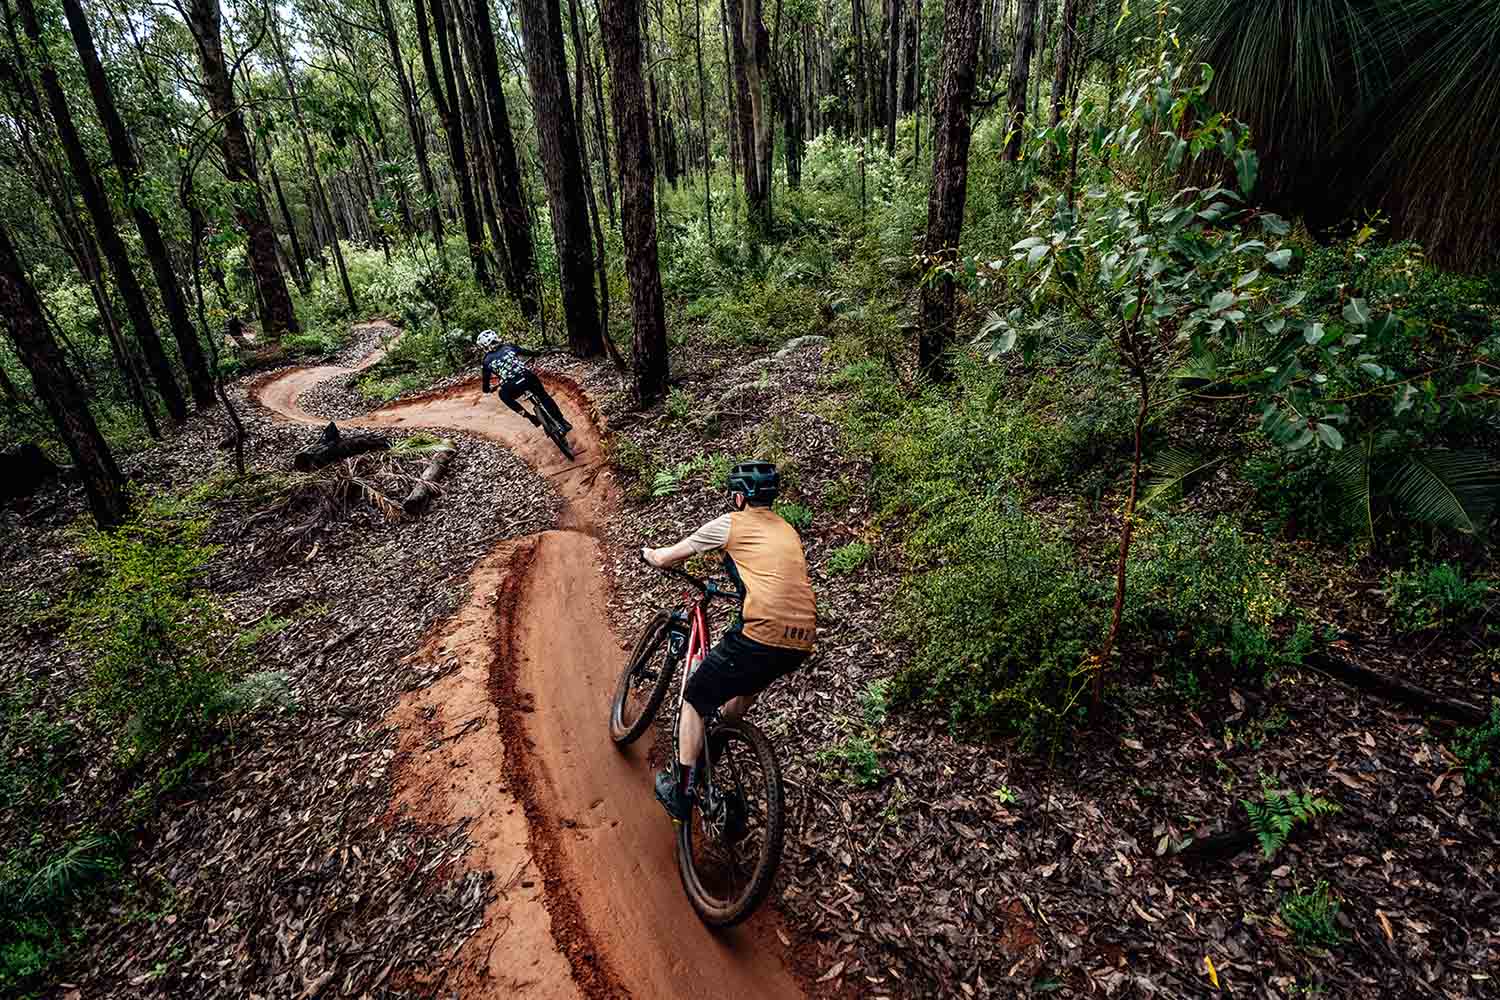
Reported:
(503, 361)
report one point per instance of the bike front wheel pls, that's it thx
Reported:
(644, 682)
(729, 849)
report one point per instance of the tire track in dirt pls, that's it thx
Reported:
(547, 797)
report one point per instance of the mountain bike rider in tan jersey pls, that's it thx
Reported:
(774, 634)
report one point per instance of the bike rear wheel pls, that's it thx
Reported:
(553, 428)
(729, 849)
(644, 682)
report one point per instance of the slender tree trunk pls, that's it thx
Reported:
(1067, 43)
(283, 61)
(411, 112)
(558, 142)
(730, 117)
(299, 259)
(601, 264)
(449, 114)
(601, 133)
(123, 156)
(892, 78)
(622, 32)
(278, 315)
(482, 163)
(1020, 70)
(909, 67)
(708, 198)
(102, 215)
(744, 25)
(950, 178)
(60, 392)
(521, 277)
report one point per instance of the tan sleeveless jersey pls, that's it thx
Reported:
(767, 552)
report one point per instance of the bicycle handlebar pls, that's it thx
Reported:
(705, 587)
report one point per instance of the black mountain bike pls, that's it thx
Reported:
(730, 846)
(554, 429)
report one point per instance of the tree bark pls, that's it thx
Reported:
(1020, 70)
(892, 77)
(333, 446)
(1067, 45)
(413, 124)
(278, 315)
(558, 142)
(284, 62)
(622, 31)
(745, 30)
(59, 391)
(708, 200)
(123, 155)
(299, 258)
(425, 488)
(950, 178)
(450, 116)
(103, 218)
(520, 277)
(481, 162)
(601, 263)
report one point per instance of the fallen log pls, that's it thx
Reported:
(334, 446)
(423, 491)
(1365, 679)
(23, 470)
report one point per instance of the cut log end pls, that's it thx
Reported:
(426, 487)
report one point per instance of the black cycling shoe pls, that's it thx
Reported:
(670, 794)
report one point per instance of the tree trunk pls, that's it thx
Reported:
(950, 178)
(1067, 45)
(475, 129)
(449, 114)
(59, 391)
(425, 488)
(521, 277)
(708, 200)
(413, 124)
(333, 446)
(622, 31)
(909, 68)
(123, 155)
(558, 142)
(278, 315)
(892, 76)
(284, 62)
(744, 28)
(102, 215)
(1020, 70)
(601, 263)
(731, 118)
(299, 259)
(601, 134)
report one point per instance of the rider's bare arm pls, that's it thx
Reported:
(713, 535)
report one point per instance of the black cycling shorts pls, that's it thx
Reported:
(738, 666)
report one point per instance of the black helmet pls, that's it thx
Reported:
(758, 481)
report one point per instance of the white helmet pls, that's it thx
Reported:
(488, 340)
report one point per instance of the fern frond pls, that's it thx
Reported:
(1171, 470)
(1350, 474)
(1453, 489)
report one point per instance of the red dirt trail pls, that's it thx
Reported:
(588, 898)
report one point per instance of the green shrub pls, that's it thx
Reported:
(157, 646)
(1213, 593)
(1478, 749)
(848, 558)
(797, 515)
(853, 761)
(1311, 916)
(1433, 596)
(999, 626)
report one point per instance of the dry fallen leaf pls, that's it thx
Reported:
(1213, 974)
(1385, 925)
(831, 973)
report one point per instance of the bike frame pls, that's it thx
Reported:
(696, 617)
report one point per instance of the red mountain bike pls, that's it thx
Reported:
(730, 846)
